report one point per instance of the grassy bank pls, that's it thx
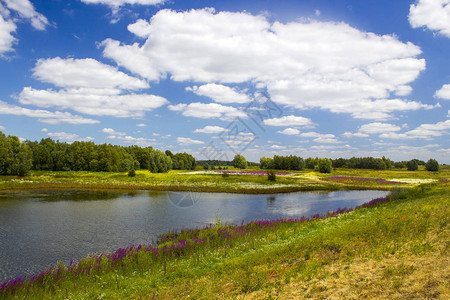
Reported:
(214, 182)
(395, 247)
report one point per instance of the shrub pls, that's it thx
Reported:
(432, 165)
(131, 173)
(324, 165)
(271, 176)
(225, 174)
(239, 162)
(412, 165)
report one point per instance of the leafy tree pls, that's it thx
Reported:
(21, 159)
(240, 162)
(324, 165)
(265, 163)
(412, 165)
(432, 165)
(5, 154)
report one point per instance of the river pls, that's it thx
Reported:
(38, 229)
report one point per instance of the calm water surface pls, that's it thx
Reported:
(40, 229)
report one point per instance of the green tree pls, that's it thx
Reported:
(240, 162)
(5, 154)
(22, 157)
(432, 165)
(324, 165)
(412, 165)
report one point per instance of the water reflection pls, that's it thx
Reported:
(40, 228)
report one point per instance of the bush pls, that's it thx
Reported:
(225, 174)
(432, 165)
(325, 165)
(271, 176)
(240, 162)
(131, 173)
(412, 165)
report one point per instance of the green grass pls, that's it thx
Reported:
(396, 249)
(187, 181)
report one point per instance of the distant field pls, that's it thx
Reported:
(212, 181)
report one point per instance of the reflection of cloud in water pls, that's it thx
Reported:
(289, 211)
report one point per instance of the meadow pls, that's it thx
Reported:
(391, 247)
(238, 181)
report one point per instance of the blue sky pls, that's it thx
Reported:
(215, 78)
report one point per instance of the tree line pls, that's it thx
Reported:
(18, 158)
(325, 165)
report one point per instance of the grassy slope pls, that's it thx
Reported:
(396, 249)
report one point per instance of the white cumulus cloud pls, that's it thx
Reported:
(68, 137)
(7, 27)
(93, 102)
(443, 92)
(26, 10)
(307, 64)
(208, 111)
(288, 121)
(220, 93)
(188, 141)
(289, 131)
(211, 129)
(44, 116)
(424, 131)
(433, 14)
(84, 73)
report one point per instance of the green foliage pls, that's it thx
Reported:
(225, 175)
(132, 173)
(271, 176)
(412, 165)
(363, 163)
(182, 161)
(432, 165)
(15, 156)
(279, 162)
(240, 162)
(324, 165)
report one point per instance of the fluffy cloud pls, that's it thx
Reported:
(333, 66)
(220, 93)
(44, 116)
(424, 131)
(84, 73)
(2, 127)
(117, 3)
(141, 28)
(7, 27)
(208, 111)
(26, 10)
(289, 131)
(288, 121)
(433, 14)
(377, 127)
(356, 134)
(444, 92)
(93, 101)
(68, 137)
(211, 129)
(10, 14)
(188, 141)
(90, 87)
(122, 136)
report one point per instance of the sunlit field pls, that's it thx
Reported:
(238, 181)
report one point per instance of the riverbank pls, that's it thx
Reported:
(395, 247)
(248, 181)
